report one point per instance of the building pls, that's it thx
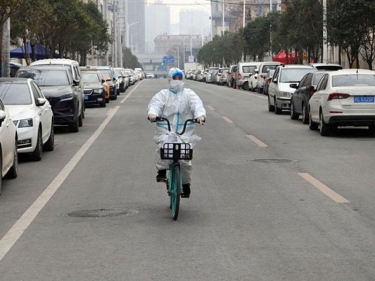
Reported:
(230, 15)
(156, 25)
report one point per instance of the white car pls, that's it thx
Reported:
(31, 114)
(8, 142)
(343, 98)
(279, 90)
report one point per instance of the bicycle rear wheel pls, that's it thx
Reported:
(175, 190)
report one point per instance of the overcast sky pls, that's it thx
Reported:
(177, 5)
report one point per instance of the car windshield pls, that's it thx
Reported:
(265, 68)
(353, 80)
(106, 73)
(248, 68)
(317, 77)
(90, 77)
(290, 75)
(15, 93)
(46, 77)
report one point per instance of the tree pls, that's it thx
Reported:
(348, 26)
(8, 8)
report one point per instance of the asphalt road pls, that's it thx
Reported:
(271, 200)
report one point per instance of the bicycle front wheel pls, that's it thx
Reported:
(175, 190)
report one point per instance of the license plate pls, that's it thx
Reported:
(86, 97)
(366, 99)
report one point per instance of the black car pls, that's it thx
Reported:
(299, 104)
(94, 88)
(61, 90)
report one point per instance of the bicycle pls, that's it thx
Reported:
(175, 152)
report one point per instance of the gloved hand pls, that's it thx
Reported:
(152, 117)
(201, 119)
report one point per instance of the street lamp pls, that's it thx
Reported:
(127, 32)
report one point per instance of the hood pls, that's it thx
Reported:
(19, 112)
(285, 87)
(56, 91)
(92, 85)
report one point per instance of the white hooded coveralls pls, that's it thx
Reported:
(177, 107)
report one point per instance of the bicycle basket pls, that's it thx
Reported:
(176, 151)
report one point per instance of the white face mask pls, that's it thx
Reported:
(176, 85)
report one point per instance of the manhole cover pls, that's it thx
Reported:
(272, 160)
(99, 213)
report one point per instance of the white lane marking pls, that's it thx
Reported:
(323, 188)
(14, 233)
(227, 119)
(131, 92)
(257, 141)
(210, 107)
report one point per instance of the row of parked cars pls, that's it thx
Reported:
(46, 94)
(326, 96)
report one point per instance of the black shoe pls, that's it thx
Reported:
(161, 176)
(185, 190)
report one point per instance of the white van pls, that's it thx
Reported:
(244, 70)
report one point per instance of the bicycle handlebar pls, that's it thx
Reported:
(169, 124)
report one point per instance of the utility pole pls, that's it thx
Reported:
(223, 23)
(5, 67)
(325, 43)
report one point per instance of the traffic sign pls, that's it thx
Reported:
(168, 59)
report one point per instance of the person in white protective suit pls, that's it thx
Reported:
(177, 104)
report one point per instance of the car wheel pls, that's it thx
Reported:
(277, 109)
(50, 143)
(293, 114)
(245, 86)
(103, 103)
(312, 124)
(80, 120)
(37, 154)
(305, 114)
(74, 126)
(1, 165)
(325, 129)
(13, 172)
(271, 108)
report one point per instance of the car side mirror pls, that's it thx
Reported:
(2, 116)
(40, 101)
(294, 86)
(76, 82)
(103, 80)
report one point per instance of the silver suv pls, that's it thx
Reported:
(279, 91)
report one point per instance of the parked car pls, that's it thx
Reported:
(61, 90)
(218, 75)
(121, 80)
(326, 66)
(244, 70)
(343, 98)
(223, 76)
(267, 80)
(8, 143)
(299, 104)
(211, 73)
(131, 74)
(75, 70)
(261, 73)
(110, 77)
(95, 88)
(31, 113)
(279, 90)
(150, 75)
(231, 76)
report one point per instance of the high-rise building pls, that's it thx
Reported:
(195, 22)
(157, 23)
(134, 17)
